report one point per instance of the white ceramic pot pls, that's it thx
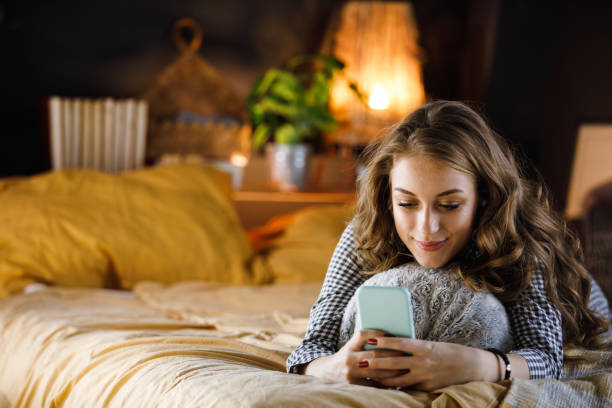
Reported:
(288, 166)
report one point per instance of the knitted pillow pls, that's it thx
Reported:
(445, 308)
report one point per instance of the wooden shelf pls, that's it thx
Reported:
(293, 197)
(255, 208)
(330, 179)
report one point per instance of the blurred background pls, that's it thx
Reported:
(535, 69)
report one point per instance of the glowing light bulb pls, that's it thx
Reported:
(379, 99)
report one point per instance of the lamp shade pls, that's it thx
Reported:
(378, 43)
(592, 165)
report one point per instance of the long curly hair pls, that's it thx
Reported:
(515, 231)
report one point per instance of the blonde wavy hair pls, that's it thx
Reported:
(514, 232)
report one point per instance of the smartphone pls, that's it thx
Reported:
(385, 308)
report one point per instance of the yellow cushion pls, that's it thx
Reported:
(91, 229)
(304, 248)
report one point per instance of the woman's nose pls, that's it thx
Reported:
(428, 221)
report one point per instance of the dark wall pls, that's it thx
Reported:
(117, 47)
(552, 71)
(536, 71)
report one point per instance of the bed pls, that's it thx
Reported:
(141, 290)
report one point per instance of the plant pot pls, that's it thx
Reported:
(288, 166)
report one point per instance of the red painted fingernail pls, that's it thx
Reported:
(363, 364)
(372, 342)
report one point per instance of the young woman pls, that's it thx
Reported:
(442, 189)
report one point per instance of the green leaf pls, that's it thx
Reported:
(260, 136)
(271, 105)
(331, 64)
(318, 93)
(286, 134)
(288, 90)
(322, 119)
(256, 113)
(303, 129)
(292, 104)
(263, 84)
(288, 77)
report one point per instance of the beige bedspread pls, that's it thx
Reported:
(190, 345)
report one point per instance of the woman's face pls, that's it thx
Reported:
(433, 208)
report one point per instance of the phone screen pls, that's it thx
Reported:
(385, 308)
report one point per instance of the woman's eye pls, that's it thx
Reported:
(449, 207)
(445, 207)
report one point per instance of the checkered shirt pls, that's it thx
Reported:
(534, 319)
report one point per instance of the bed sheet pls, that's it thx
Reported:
(176, 346)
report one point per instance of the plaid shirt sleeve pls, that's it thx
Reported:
(341, 281)
(536, 327)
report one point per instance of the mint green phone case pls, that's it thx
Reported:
(385, 308)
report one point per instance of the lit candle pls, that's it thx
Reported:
(238, 159)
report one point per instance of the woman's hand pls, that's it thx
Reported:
(432, 365)
(350, 364)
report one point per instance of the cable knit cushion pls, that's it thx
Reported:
(445, 308)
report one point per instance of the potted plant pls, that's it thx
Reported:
(289, 110)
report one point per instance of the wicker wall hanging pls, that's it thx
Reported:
(192, 109)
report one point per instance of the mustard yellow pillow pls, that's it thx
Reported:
(92, 229)
(302, 251)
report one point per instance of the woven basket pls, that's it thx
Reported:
(190, 86)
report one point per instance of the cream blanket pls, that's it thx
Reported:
(175, 346)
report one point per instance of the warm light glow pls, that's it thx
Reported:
(378, 42)
(238, 159)
(379, 98)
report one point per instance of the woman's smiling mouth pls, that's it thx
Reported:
(430, 245)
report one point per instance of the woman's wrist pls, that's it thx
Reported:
(507, 367)
(316, 367)
(491, 367)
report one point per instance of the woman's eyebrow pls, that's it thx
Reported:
(444, 193)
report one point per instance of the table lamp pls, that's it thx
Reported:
(378, 43)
